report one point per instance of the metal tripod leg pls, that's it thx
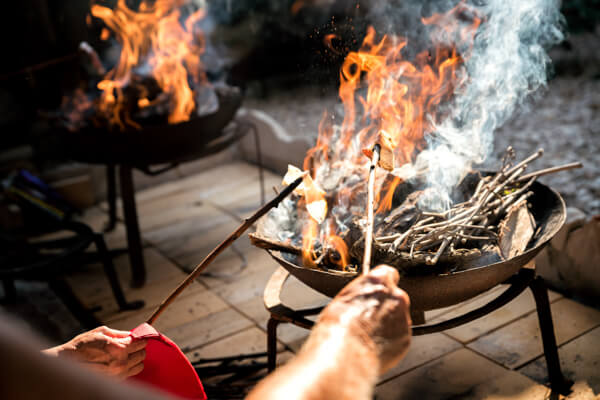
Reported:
(134, 241)
(111, 197)
(113, 279)
(272, 343)
(558, 383)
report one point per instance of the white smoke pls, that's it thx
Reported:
(507, 63)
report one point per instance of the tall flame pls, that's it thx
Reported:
(386, 99)
(152, 37)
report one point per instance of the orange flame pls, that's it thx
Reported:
(152, 37)
(389, 99)
(309, 234)
(338, 244)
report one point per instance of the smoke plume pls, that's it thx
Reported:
(506, 64)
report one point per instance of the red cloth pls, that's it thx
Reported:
(166, 367)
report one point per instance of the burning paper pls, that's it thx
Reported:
(314, 196)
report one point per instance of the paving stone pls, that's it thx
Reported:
(152, 295)
(207, 180)
(518, 307)
(229, 268)
(90, 281)
(255, 310)
(185, 309)
(521, 342)
(580, 362)
(176, 213)
(251, 340)
(189, 242)
(208, 329)
(244, 199)
(422, 350)
(461, 374)
(247, 288)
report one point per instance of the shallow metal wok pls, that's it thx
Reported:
(153, 144)
(433, 291)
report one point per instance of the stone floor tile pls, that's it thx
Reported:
(251, 340)
(520, 341)
(255, 310)
(90, 281)
(209, 181)
(156, 221)
(461, 374)
(158, 268)
(518, 307)
(184, 309)
(152, 295)
(247, 288)
(244, 200)
(422, 350)
(208, 329)
(229, 268)
(188, 242)
(579, 360)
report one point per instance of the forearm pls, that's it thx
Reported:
(29, 375)
(335, 363)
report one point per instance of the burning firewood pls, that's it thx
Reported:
(492, 224)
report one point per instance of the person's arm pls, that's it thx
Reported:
(105, 350)
(362, 333)
(27, 374)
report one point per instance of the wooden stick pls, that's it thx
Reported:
(226, 243)
(370, 205)
(552, 170)
(270, 244)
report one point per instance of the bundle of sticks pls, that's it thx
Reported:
(472, 232)
(433, 234)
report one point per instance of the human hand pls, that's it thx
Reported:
(106, 350)
(373, 308)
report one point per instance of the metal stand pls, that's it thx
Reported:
(134, 240)
(525, 278)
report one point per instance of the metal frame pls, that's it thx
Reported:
(134, 241)
(525, 278)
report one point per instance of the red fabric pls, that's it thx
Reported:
(166, 367)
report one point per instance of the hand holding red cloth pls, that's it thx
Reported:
(166, 367)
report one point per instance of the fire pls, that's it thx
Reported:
(152, 37)
(390, 100)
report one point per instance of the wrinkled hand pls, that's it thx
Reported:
(106, 350)
(377, 311)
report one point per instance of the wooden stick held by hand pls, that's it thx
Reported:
(226, 243)
(370, 205)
